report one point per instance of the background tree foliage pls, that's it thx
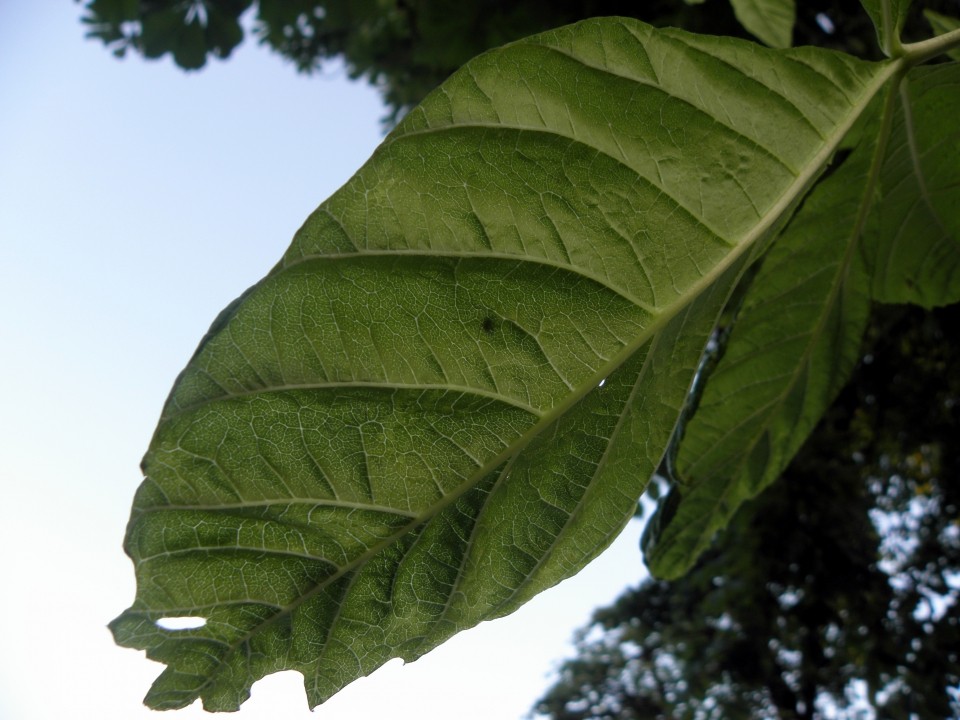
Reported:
(408, 47)
(845, 570)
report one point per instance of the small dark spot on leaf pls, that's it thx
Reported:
(487, 325)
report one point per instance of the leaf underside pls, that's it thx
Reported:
(916, 254)
(888, 17)
(794, 344)
(450, 393)
(943, 24)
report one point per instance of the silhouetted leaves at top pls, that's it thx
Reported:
(452, 389)
(406, 48)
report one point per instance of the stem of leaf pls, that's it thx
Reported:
(919, 52)
(891, 38)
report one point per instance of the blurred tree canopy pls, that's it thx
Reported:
(407, 47)
(835, 589)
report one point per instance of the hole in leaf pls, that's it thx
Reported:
(181, 623)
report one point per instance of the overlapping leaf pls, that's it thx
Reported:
(888, 17)
(793, 346)
(914, 251)
(770, 20)
(449, 394)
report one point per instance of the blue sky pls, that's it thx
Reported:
(136, 201)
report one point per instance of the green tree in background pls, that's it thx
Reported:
(801, 598)
(408, 47)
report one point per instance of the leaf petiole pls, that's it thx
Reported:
(919, 52)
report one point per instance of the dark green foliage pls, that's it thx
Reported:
(801, 597)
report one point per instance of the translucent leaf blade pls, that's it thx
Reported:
(451, 391)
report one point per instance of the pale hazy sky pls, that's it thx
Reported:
(135, 202)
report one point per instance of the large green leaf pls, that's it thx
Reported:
(796, 339)
(770, 20)
(794, 344)
(451, 391)
(915, 230)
